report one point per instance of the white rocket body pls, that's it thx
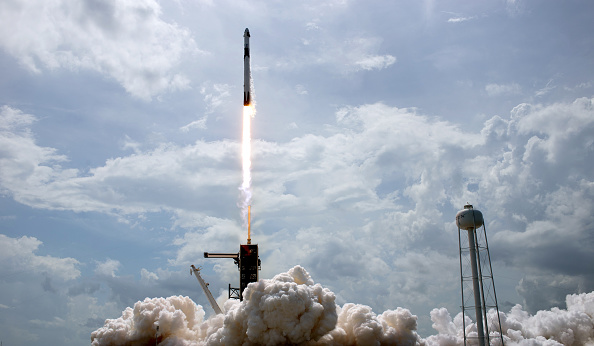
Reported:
(247, 97)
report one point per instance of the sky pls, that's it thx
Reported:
(376, 121)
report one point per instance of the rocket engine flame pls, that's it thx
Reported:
(246, 157)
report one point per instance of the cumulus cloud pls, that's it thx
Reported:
(15, 120)
(33, 175)
(107, 268)
(399, 169)
(549, 156)
(127, 41)
(147, 276)
(23, 162)
(19, 254)
(387, 174)
(49, 296)
(213, 231)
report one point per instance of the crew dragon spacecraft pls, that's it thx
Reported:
(247, 96)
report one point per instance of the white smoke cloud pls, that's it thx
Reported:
(574, 326)
(291, 309)
(358, 325)
(177, 318)
(288, 309)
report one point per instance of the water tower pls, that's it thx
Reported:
(476, 275)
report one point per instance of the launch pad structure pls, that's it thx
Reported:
(247, 261)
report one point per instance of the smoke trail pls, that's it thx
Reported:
(246, 162)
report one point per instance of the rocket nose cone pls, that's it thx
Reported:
(246, 33)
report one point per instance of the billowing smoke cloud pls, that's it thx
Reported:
(574, 326)
(178, 319)
(291, 309)
(288, 309)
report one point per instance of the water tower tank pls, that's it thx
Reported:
(469, 218)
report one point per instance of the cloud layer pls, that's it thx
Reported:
(385, 174)
(127, 41)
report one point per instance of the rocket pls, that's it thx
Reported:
(247, 95)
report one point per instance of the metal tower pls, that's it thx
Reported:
(204, 285)
(476, 275)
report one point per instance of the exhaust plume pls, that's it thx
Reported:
(291, 309)
(246, 163)
(574, 326)
(288, 309)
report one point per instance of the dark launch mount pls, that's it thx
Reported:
(247, 261)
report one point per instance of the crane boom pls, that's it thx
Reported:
(204, 285)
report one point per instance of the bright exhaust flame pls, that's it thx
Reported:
(246, 157)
